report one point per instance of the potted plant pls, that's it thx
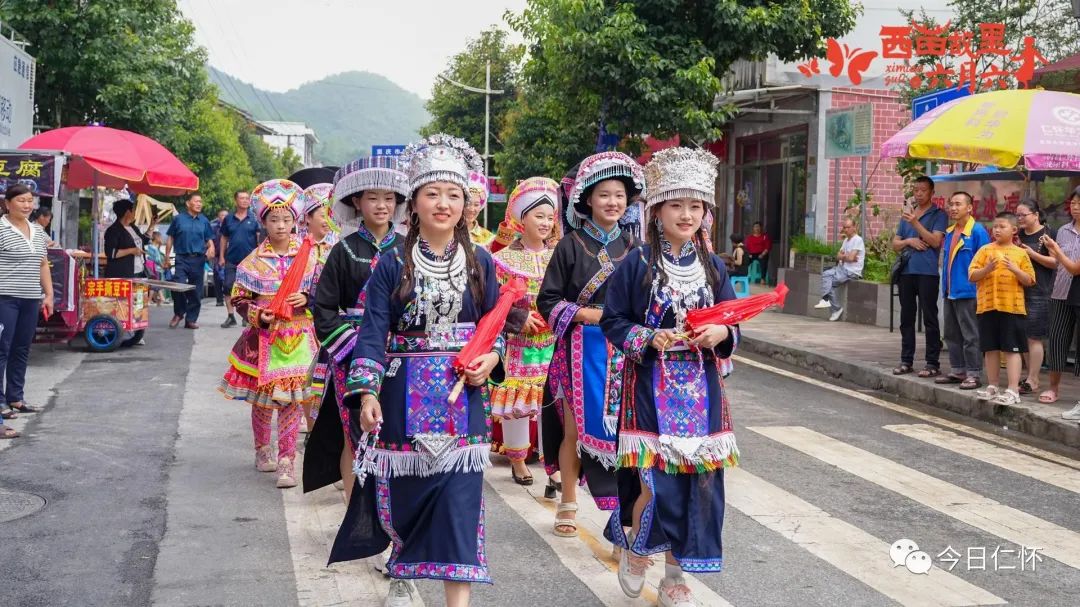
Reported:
(812, 255)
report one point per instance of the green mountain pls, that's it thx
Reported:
(350, 111)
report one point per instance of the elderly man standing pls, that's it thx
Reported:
(193, 238)
(849, 266)
(239, 237)
(918, 240)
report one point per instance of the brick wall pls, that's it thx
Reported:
(886, 187)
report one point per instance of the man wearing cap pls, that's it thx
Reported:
(239, 237)
(193, 238)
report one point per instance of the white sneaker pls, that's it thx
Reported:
(401, 594)
(821, 305)
(632, 569)
(835, 316)
(1072, 414)
(674, 593)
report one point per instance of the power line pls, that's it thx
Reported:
(227, 41)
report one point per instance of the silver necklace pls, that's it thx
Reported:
(440, 288)
(686, 288)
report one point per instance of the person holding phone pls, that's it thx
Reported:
(918, 238)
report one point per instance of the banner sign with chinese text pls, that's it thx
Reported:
(35, 171)
(967, 59)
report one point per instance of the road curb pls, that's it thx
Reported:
(1021, 417)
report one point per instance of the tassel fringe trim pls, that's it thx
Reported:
(607, 459)
(386, 464)
(669, 453)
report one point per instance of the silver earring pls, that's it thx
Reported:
(659, 224)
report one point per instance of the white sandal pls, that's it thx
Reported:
(1007, 398)
(987, 393)
(565, 522)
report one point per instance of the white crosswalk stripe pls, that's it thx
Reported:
(845, 546)
(1047, 472)
(966, 506)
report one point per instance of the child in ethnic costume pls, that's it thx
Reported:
(317, 223)
(478, 195)
(529, 345)
(424, 494)
(371, 188)
(675, 433)
(270, 362)
(585, 376)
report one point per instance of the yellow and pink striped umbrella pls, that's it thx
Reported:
(1036, 129)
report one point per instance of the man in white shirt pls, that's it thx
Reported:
(850, 261)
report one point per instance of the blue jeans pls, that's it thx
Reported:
(189, 270)
(18, 320)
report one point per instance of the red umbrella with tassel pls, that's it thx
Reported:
(735, 311)
(487, 331)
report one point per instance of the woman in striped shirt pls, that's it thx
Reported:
(24, 276)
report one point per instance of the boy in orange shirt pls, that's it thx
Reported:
(1001, 270)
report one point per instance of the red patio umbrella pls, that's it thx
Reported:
(113, 158)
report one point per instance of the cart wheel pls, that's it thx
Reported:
(103, 333)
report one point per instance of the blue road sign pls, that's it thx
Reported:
(924, 103)
(387, 150)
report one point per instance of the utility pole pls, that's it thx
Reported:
(488, 92)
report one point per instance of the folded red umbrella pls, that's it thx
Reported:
(735, 311)
(487, 331)
(291, 282)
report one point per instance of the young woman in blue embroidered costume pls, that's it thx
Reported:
(372, 188)
(675, 435)
(427, 458)
(533, 208)
(271, 360)
(585, 376)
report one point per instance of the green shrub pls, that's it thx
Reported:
(812, 246)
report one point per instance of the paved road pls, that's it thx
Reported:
(152, 499)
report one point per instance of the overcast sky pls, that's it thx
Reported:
(280, 44)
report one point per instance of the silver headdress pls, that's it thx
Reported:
(601, 167)
(374, 173)
(681, 173)
(440, 157)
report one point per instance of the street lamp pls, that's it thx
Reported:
(488, 92)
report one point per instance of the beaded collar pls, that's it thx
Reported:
(687, 249)
(599, 235)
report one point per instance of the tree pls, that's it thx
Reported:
(460, 112)
(131, 65)
(208, 141)
(290, 161)
(652, 67)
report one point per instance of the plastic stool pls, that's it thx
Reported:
(753, 273)
(745, 282)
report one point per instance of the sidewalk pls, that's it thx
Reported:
(865, 355)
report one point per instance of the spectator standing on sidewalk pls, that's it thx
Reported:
(1064, 303)
(193, 238)
(1036, 297)
(849, 266)
(239, 236)
(24, 278)
(124, 251)
(964, 239)
(918, 240)
(1002, 271)
(219, 274)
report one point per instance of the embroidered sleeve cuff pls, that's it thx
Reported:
(253, 312)
(561, 317)
(365, 377)
(727, 347)
(637, 341)
(500, 346)
(340, 343)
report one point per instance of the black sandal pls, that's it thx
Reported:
(929, 372)
(524, 481)
(902, 370)
(550, 488)
(9, 414)
(1025, 388)
(24, 408)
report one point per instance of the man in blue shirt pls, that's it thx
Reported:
(964, 238)
(219, 276)
(239, 237)
(918, 238)
(193, 238)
